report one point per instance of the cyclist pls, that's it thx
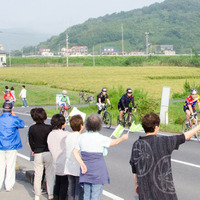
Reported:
(189, 106)
(64, 101)
(124, 102)
(101, 99)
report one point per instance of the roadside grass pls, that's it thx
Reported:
(37, 94)
(92, 79)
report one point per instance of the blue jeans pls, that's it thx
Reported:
(24, 102)
(93, 191)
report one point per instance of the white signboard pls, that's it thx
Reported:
(164, 105)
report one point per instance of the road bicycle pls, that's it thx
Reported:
(64, 112)
(106, 116)
(127, 118)
(85, 98)
(186, 128)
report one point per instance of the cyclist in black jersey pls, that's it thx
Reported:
(101, 99)
(124, 102)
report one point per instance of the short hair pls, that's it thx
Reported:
(32, 113)
(57, 121)
(75, 122)
(93, 123)
(7, 107)
(6, 87)
(12, 88)
(23, 86)
(149, 122)
(39, 115)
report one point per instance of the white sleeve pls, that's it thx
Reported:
(68, 101)
(105, 141)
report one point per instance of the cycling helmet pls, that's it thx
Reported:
(64, 92)
(104, 90)
(129, 90)
(193, 91)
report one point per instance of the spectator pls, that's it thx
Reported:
(23, 96)
(56, 144)
(6, 88)
(8, 96)
(91, 144)
(75, 191)
(10, 141)
(37, 136)
(12, 90)
(151, 160)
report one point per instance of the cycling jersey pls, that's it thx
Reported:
(125, 101)
(190, 101)
(102, 97)
(64, 100)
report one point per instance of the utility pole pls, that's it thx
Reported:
(147, 43)
(122, 27)
(93, 57)
(10, 57)
(67, 61)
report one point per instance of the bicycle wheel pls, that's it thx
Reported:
(184, 127)
(133, 119)
(197, 135)
(107, 119)
(122, 122)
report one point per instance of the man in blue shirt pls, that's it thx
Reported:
(10, 141)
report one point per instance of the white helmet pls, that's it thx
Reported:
(193, 91)
(64, 92)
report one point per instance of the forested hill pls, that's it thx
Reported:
(172, 22)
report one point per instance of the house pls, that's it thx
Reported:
(166, 48)
(137, 53)
(75, 51)
(79, 50)
(109, 51)
(46, 52)
(2, 56)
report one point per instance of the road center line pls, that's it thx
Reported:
(185, 163)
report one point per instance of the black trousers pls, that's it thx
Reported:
(75, 191)
(61, 188)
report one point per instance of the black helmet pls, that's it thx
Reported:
(104, 90)
(193, 91)
(129, 90)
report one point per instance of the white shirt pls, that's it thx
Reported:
(72, 167)
(93, 142)
(57, 147)
(23, 93)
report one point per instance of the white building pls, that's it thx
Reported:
(2, 56)
(46, 52)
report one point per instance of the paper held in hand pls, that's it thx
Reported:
(75, 111)
(118, 131)
(135, 127)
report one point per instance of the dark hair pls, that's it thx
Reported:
(23, 86)
(39, 115)
(93, 123)
(12, 88)
(6, 87)
(57, 121)
(32, 112)
(149, 122)
(75, 122)
(7, 107)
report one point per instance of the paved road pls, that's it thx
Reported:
(186, 178)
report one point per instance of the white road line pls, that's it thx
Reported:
(108, 194)
(185, 163)
(112, 196)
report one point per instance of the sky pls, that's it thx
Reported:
(54, 16)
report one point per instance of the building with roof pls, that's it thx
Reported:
(109, 51)
(2, 56)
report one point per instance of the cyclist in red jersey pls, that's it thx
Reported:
(189, 106)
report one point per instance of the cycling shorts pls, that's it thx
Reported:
(187, 108)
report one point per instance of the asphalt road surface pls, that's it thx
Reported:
(185, 164)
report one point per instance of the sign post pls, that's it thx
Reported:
(164, 105)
